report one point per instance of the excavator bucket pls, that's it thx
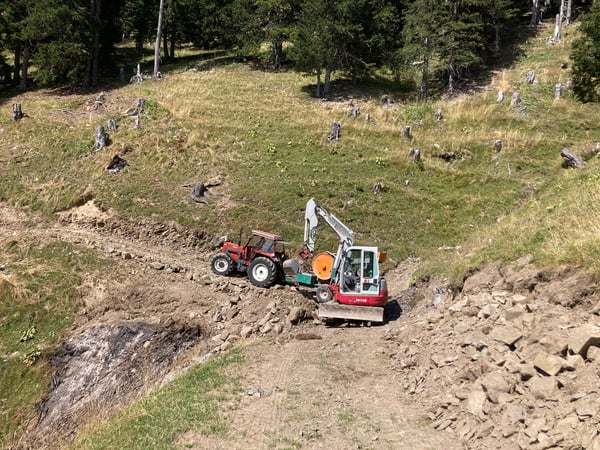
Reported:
(334, 310)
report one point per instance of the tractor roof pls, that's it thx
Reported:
(266, 235)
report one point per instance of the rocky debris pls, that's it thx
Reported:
(503, 364)
(245, 314)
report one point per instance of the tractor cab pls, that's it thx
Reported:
(264, 244)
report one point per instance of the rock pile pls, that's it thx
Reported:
(250, 311)
(512, 361)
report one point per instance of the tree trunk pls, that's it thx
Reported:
(451, 71)
(425, 72)
(95, 5)
(25, 67)
(276, 53)
(172, 52)
(535, 13)
(318, 93)
(496, 37)
(17, 66)
(166, 46)
(161, 10)
(569, 8)
(327, 84)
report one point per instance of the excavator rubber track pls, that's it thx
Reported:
(334, 310)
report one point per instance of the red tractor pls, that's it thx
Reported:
(261, 258)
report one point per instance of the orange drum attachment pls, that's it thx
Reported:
(322, 265)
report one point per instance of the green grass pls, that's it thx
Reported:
(36, 307)
(190, 403)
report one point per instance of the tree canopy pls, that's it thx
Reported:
(586, 57)
(447, 41)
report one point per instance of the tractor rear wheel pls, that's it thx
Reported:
(262, 272)
(222, 264)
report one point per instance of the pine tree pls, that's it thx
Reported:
(62, 34)
(421, 35)
(586, 57)
(461, 39)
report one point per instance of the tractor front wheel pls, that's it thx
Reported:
(222, 264)
(324, 294)
(262, 272)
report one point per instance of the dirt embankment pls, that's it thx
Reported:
(510, 361)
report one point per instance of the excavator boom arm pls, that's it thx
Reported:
(311, 221)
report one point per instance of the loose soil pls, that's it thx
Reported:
(495, 363)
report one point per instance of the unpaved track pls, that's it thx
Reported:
(334, 390)
(337, 392)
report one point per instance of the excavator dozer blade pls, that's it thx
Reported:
(333, 310)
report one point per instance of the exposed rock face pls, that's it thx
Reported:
(510, 362)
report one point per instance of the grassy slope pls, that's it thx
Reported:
(265, 137)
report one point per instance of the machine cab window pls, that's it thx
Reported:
(361, 270)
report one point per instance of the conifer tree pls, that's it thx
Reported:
(586, 57)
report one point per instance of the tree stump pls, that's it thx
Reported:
(116, 165)
(355, 112)
(138, 77)
(377, 188)
(498, 145)
(569, 84)
(406, 131)
(437, 115)
(18, 114)
(558, 90)
(415, 154)
(515, 99)
(197, 192)
(139, 107)
(500, 98)
(336, 128)
(112, 125)
(593, 152)
(571, 159)
(101, 139)
(446, 156)
(530, 77)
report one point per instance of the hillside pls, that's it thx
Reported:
(115, 334)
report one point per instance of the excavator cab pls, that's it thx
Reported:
(361, 271)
